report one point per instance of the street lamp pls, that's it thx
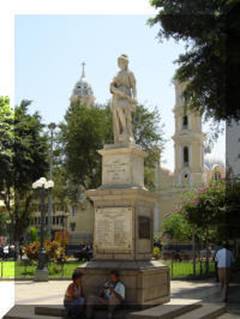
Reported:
(52, 126)
(43, 186)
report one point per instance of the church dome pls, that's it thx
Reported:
(82, 90)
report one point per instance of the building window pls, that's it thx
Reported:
(185, 122)
(73, 226)
(74, 209)
(186, 156)
(217, 176)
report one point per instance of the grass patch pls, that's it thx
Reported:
(185, 268)
(22, 270)
(7, 269)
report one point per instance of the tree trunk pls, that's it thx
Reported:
(194, 252)
(207, 252)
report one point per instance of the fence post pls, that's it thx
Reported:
(172, 261)
(201, 269)
(194, 252)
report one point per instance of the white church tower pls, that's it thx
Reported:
(82, 91)
(188, 143)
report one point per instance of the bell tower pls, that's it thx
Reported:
(82, 91)
(188, 142)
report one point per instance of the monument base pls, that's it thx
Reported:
(41, 275)
(147, 282)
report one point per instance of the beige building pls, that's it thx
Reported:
(190, 170)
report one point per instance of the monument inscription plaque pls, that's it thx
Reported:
(113, 229)
(116, 170)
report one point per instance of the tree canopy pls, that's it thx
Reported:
(211, 64)
(204, 209)
(86, 130)
(23, 158)
(177, 227)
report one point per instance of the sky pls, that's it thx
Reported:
(49, 50)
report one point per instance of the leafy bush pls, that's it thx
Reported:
(156, 252)
(54, 250)
(32, 250)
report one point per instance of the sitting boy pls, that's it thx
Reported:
(111, 295)
(74, 298)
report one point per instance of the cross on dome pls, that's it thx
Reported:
(83, 70)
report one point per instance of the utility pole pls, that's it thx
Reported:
(52, 126)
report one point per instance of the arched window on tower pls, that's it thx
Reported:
(185, 122)
(186, 156)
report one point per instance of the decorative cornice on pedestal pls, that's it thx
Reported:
(117, 149)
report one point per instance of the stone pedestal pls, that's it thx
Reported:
(147, 282)
(122, 166)
(41, 275)
(123, 229)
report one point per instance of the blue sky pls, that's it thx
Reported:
(49, 51)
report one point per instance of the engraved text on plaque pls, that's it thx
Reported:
(113, 229)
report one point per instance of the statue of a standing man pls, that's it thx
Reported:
(123, 89)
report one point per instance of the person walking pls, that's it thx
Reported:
(224, 258)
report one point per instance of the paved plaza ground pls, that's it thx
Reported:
(52, 292)
(29, 293)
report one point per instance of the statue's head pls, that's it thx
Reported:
(123, 62)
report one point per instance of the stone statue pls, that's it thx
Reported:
(123, 89)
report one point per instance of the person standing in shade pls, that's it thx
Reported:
(224, 258)
(218, 246)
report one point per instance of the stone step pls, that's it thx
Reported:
(58, 311)
(55, 311)
(173, 309)
(206, 311)
(229, 316)
(25, 312)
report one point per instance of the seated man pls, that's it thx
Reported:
(111, 295)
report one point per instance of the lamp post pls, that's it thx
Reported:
(43, 187)
(52, 126)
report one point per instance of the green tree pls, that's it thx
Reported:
(27, 150)
(211, 64)
(205, 210)
(178, 227)
(3, 223)
(83, 132)
(6, 151)
(86, 130)
(148, 133)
